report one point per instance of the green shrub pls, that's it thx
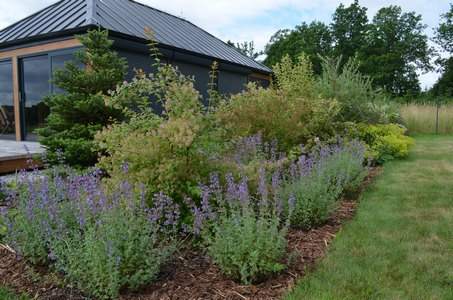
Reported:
(102, 242)
(119, 250)
(318, 181)
(243, 230)
(248, 247)
(385, 142)
(358, 101)
(167, 152)
(76, 115)
(287, 112)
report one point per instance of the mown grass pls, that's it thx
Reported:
(421, 118)
(6, 294)
(400, 245)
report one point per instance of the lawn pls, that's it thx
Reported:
(400, 245)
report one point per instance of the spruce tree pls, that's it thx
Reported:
(78, 113)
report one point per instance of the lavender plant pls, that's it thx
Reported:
(318, 180)
(243, 232)
(102, 241)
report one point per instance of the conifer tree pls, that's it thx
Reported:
(78, 113)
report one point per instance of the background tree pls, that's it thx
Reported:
(312, 39)
(247, 48)
(444, 38)
(397, 48)
(76, 115)
(349, 30)
(444, 33)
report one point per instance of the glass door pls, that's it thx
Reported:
(7, 122)
(35, 83)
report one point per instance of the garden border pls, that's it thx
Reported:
(191, 275)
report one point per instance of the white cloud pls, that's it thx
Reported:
(245, 20)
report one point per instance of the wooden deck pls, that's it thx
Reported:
(14, 155)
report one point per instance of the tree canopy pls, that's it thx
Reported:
(444, 38)
(390, 48)
(312, 39)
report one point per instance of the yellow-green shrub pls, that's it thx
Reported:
(288, 112)
(167, 152)
(385, 142)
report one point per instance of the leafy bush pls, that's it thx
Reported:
(167, 152)
(119, 250)
(316, 182)
(287, 112)
(248, 247)
(102, 242)
(76, 115)
(385, 142)
(359, 102)
(245, 236)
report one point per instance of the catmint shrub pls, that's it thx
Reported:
(248, 247)
(122, 249)
(244, 234)
(101, 241)
(317, 181)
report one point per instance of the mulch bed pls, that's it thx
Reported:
(192, 276)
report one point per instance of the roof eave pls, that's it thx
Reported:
(165, 46)
(83, 29)
(43, 37)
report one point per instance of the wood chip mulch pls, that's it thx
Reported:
(192, 276)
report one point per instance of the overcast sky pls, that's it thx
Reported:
(257, 20)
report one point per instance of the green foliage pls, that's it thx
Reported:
(407, 205)
(444, 85)
(247, 246)
(349, 30)
(289, 112)
(444, 38)
(397, 47)
(6, 294)
(385, 142)
(312, 39)
(167, 152)
(334, 171)
(119, 250)
(390, 48)
(246, 48)
(359, 101)
(76, 115)
(444, 33)
(101, 242)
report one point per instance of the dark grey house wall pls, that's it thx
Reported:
(231, 79)
(136, 61)
(200, 75)
(231, 83)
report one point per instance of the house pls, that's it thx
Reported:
(31, 49)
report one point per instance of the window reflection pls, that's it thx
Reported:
(7, 124)
(35, 75)
(58, 63)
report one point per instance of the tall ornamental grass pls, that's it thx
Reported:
(421, 118)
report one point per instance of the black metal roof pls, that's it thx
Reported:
(125, 17)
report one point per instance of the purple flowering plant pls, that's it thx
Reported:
(102, 240)
(241, 228)
(316, 182)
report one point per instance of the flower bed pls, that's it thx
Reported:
(191, 275)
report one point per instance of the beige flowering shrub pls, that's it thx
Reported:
(165, 151)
